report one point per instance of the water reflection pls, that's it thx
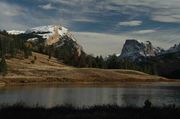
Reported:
(88, 96)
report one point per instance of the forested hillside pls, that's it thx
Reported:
(69, 52)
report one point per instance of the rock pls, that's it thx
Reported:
(134, 49)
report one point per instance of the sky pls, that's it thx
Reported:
(100, 26)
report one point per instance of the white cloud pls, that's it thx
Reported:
(8, 16)
(130, 23)
(9, 10)
(166, 18)
(147, 7)
(144, 31)
(47, 6)
(84, 20)
(161, 10)
(150, 3)
(14, 17)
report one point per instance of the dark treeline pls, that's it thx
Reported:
(115, 62)
(11, 46)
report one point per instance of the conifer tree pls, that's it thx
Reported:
(3, 66)
(27, 49)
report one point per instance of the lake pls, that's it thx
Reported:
(128, 94)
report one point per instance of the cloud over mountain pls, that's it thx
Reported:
(155, 20)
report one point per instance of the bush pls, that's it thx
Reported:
(33, 61)
(21, 111)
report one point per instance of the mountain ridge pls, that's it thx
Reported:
(152, 59)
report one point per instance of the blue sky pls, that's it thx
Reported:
(100, 26)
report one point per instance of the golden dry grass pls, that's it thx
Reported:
(52, 71)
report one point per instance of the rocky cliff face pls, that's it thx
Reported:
(175, 48)
(134, 49)
(153, 59)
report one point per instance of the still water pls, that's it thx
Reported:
(88, 95)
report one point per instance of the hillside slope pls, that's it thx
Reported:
(51, 71)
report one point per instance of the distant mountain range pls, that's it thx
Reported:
(163, 62)
(134, 50)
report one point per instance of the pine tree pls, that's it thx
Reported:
(82, 60)
(113, 62)
(3, 66)
(50, 51)
(89, 60)
(27, 49)
(12, 49)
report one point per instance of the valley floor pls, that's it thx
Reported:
(43, 70)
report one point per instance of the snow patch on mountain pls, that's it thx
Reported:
(32, 39)
(52, 33)
(15, 32)
(49, 30)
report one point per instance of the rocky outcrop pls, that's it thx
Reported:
(134, 49)
(175, 48)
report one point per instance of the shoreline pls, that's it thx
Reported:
(87, 83)
(45, 71)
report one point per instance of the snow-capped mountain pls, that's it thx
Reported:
(47, 31)
(56, 35)
(134, 49)
(52, 33)
(15, 32)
